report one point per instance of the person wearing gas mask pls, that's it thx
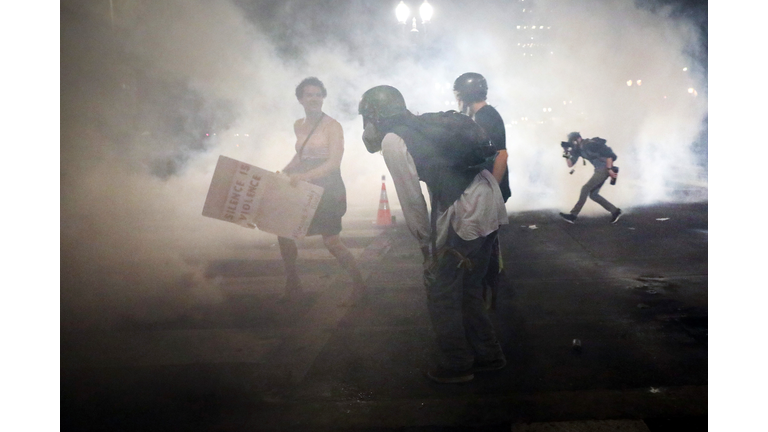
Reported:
(601, 157)
(467, 210)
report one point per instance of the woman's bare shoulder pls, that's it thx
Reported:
(331, 122)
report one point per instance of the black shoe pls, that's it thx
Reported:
(483, 366)
(616, 216)
(570, 218)
(448, 376)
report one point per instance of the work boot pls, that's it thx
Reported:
(616, 216)
(570, 218)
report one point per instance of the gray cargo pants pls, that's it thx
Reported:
(455, 301)
(591, 189)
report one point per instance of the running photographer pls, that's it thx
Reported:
(601, 157)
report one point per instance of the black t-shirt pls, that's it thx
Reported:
(490, 120)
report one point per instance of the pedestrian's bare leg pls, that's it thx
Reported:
(290, 253)
(348, 263)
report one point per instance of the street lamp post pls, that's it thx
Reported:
(425, 11)
(403, 12)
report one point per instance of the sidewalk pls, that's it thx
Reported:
(634, 294)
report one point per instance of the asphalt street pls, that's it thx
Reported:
(633, 294)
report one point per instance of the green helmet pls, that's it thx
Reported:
(381, 102)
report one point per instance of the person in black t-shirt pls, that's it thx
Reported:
(471, 90)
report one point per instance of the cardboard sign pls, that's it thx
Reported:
(253, 197)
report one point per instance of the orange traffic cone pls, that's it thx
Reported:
(385, 216)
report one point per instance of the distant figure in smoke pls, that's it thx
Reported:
(467, 210)
(319, 148)
(471, 91)
(601, 157)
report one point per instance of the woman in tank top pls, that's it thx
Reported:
(319, 148)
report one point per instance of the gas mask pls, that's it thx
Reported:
(372, 138)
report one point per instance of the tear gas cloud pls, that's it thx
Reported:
(153, 92)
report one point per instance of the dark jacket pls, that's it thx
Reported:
(435, 165)
(594, 150)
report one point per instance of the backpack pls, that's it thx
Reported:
(461, 143)
(596, 147)
(448, 148)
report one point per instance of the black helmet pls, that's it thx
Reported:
(381, 102)
(573, 135)
(471, 87)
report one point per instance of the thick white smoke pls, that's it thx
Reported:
(144, 82)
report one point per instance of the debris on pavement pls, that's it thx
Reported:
(642, 306)
(662, 219)
(577, 345)
(533, 227)
(655, 390)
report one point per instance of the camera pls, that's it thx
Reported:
(567, 147)
(616, 170)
